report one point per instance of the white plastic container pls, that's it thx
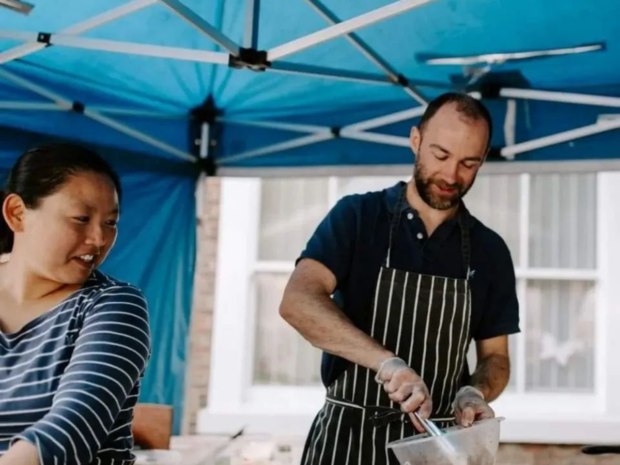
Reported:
(158, 457)
(476, 445)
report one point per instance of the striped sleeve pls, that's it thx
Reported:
(110, 356)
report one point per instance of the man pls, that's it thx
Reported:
(414, 278)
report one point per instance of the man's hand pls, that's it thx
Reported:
(404, 386)
(470, 406)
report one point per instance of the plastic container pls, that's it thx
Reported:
(476, 445)
(158, 457)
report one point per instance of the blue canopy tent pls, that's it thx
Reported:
(172, 90)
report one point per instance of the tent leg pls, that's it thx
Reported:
(205, 137)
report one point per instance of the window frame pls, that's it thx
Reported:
(234, 401)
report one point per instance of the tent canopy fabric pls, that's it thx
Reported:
(98, 59)
(169, 89)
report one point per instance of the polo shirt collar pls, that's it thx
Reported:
(391, 199)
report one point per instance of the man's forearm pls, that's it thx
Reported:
(491, 376)
(325, 326)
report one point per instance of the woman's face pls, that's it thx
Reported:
(71, 231)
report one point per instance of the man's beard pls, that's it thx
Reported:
(423, 185)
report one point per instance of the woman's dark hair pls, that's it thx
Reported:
(42, 171)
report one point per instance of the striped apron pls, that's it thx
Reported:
(423, 319)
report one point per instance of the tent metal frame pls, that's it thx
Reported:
(246, 56)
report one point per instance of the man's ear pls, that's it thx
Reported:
(13, 210)
(415, 139)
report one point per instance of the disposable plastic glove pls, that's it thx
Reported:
(470, 405)
(404, 386)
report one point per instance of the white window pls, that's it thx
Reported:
(561, 231)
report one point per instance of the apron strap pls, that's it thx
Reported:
(465, 244)
(395, 222)
(378, 415)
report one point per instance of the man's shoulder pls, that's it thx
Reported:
(493, 243)
(370, 199)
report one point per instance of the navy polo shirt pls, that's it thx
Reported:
(352, 241)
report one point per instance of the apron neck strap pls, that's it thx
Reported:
(395, 222)
(465, 244)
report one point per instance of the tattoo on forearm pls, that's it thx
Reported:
(492, 375)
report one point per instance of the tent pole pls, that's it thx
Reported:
(560, 137)
(280, 147)
(79, 28)
(343, 28)
(37, 106)
(392, 118)
(374, 57)
(386, 119)
(30, 106)
(305, 128)
(202, 25)
(129, 48)
(64, 103)
(132, 112)
(510, 122)
(346, 75)
(139, 135)
(317, 71)
(252, 12)
(205, 137)
(398, 141)
(561, 97)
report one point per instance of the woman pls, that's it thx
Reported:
(74, 342)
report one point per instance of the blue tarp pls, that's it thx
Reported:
(155, 250)
(160, 195)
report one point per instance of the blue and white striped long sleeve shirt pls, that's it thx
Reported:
(69, 379)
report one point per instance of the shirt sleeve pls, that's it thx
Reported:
(501, 313)
(109, 359)
(333, 242)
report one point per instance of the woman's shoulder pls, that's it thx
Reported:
(102, 288)
(100, 282)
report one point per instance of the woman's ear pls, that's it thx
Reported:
(13, 210)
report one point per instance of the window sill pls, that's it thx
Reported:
(544, 419)
(568, 429)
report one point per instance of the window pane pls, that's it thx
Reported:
(560, 336)
(472, 360)
(495, 201)
(363, 184)
(291, 209)
(281, 355)
(563, 221)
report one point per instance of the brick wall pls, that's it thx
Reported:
(197, 379)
